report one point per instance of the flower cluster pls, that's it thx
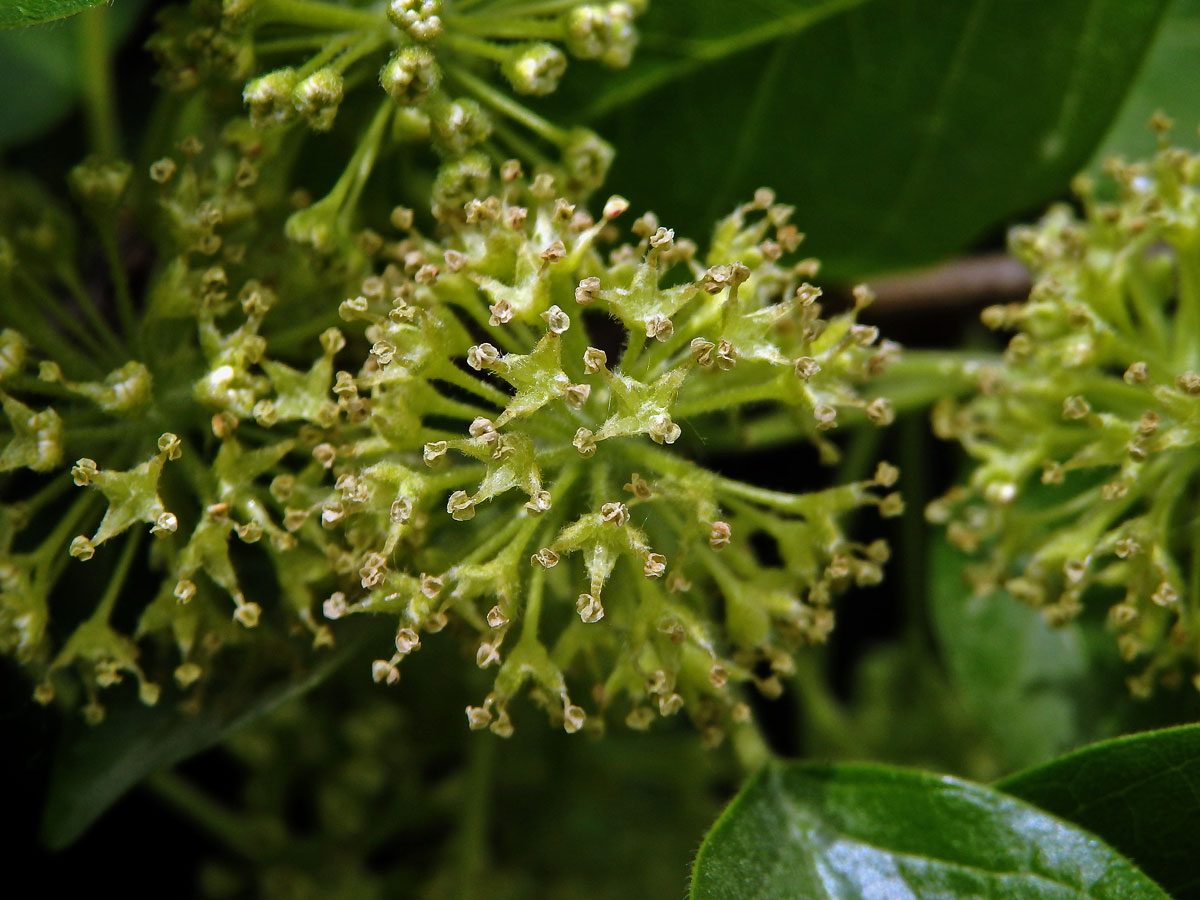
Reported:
(517, 406)
(1085, 437)
(436, 62)
(500, 456)
(484, 414)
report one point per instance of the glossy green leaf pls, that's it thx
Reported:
(1169, 82)
(901, 129)
(96, 765)
(1140, 793)
(15, 13)
(847, 832)
(1033, 688)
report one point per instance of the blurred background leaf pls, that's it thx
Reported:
(42, 69)
(1038, 691)
(1169, 82)
(901, 129)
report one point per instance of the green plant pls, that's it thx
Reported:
(350, 359)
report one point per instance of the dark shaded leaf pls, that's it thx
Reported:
(901, 129)
(95, 766)
(1140, 793)
(1034, 688)
(850, 831)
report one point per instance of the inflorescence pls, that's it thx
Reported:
(1086, 436)
(484, 414)
(437, 63)
(500, 456)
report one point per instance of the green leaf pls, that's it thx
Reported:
(901, 129)
(1169, 82)
(852, 831)
(1140, 793)
(96, 765)
(1035, 689)
(15, 13)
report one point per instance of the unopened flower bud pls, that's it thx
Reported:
(534, 68)
(613, 207)
(420, 18)
(409, 77)
(317, 98)
(270, 98)
(457, 125)
(602, 31)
